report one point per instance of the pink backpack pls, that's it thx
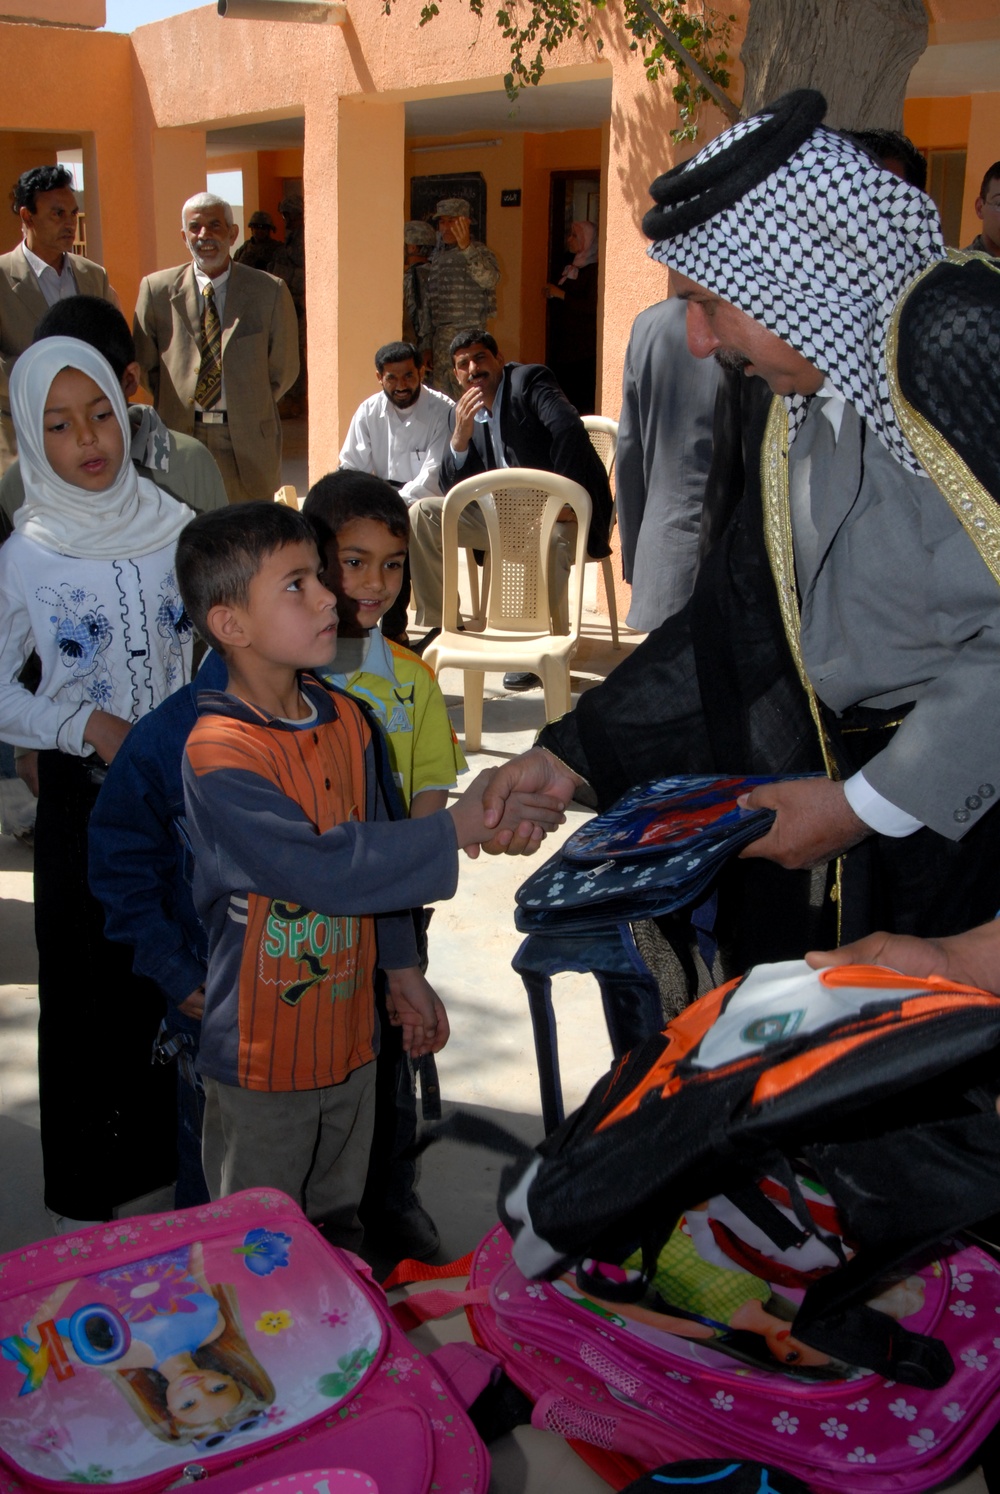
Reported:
(226, 1337)
(646, 1397)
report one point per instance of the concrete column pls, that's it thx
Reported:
(354, 182)
(179, 166)
(983, 150)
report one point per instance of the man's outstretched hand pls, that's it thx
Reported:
(814, 822)
(533, 773)
(969, 959)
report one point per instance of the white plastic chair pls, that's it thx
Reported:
(520, 506)
(603, 433)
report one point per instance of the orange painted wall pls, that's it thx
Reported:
(88, 91)
(90, 13)
(984, 149)
(938, 124)
(970, 123)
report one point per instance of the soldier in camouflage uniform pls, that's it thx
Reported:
(418, 241)
(461, 288)
(259, 250)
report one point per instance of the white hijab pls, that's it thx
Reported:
(130, 518)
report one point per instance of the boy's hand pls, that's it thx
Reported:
(414, 1005)
(534, 812)
(194, 1005)
(534, 772)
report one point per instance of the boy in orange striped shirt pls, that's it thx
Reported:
(302, 879)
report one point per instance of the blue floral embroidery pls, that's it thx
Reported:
(83, 636)
(173, 625)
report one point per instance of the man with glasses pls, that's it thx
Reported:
(988, 213)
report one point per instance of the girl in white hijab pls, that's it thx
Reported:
(87, 584)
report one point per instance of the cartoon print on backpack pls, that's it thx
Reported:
(172, 1343)
(710, 1286)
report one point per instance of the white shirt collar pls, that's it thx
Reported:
(40, 266)
(217, 283)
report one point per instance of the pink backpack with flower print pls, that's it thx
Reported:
(648, 1398)
(228, 1343)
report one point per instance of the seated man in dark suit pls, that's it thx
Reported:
(530, 423)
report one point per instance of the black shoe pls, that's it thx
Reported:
(428, 638)
(410, 1233)
(521, 681)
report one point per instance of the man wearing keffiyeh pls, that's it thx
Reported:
(849, 618)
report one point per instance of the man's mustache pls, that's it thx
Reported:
(732, 362)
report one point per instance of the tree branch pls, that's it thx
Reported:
(675, 44)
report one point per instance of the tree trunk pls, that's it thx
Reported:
(858, 53)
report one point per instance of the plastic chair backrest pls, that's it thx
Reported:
(603, 433)
(520, 507)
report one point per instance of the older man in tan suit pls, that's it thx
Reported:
(42, 270)
(217, 343)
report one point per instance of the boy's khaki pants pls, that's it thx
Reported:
(313, 1144)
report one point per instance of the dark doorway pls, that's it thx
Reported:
(571, 311)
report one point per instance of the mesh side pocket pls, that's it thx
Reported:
(568, 1420)
(609, 1372)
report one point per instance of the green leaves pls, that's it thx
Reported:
(536, 28)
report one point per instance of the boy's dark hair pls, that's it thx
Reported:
(219, 553)
(95, 321)
(24, 192)
(893, 145)
(342, 496)
(472, 335)
(396, 352)
(992, 175)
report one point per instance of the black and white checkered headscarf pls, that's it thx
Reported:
(817, 250)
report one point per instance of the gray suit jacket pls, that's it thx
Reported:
(22, 307)
(260, 360)
(664, 453)
(897, 605)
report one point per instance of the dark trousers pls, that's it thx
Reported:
(108, 1115)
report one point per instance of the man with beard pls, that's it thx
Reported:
(218, 346)
(400, 434)
(849, 617)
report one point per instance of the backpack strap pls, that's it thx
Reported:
(863, 1336)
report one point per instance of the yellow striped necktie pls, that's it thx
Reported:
(209, 388)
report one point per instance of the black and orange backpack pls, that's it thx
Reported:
(881, 1087)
